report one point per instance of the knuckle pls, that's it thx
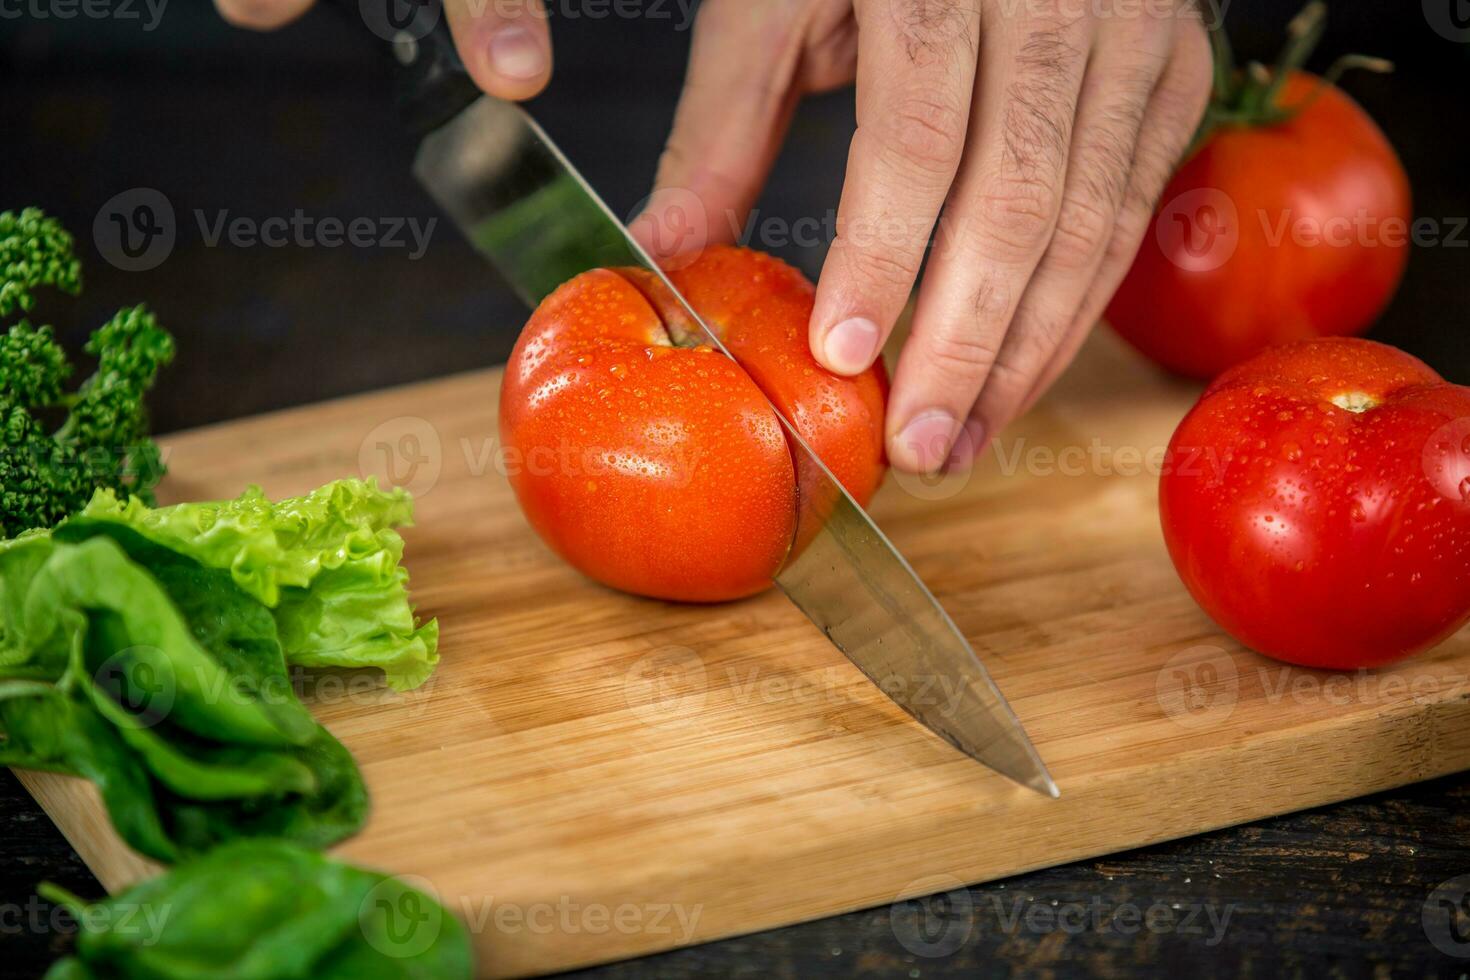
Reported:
(927, 28)
(1034, 342)
(1017, 216)
(961, 354)
(991, 301)
(1039, 333)
(1128, 232)
(884, 268)
(1036, 124)
(1131, 88)
(926, 135)
(1035, 130)
(1081, 234)
(1103, 166)
(1007, 381)
(1153, 167)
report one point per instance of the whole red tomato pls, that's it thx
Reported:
(1273, 232)
(652, 462)
(1316, 503)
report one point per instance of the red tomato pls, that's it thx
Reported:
(1270, 233)
(1316, 503)
(652, 462)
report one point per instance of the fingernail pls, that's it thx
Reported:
(923, 445)
(851, 345)
(516, 53)
(967, 445)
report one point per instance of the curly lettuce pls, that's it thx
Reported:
(327, 564)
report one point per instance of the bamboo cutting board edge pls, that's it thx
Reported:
(825, 882)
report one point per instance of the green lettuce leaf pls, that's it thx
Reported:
(327, 564)
(265, 910)
(165, 685)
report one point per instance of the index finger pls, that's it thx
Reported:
(915, 78)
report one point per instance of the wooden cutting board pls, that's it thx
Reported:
(591, 776)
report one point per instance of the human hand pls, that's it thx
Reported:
(505, 44)
(1038, 134)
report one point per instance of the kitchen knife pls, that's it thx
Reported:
(522, 204)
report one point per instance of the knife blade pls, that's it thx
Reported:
(521, 203)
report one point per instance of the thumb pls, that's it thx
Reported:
(505, 44)
(261, 15)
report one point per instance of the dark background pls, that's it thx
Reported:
(260, 125)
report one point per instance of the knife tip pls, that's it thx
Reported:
(1043, 783)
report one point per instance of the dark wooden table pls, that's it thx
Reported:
(1341, 891)
(260, 126)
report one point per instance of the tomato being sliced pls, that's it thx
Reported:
(652, 462)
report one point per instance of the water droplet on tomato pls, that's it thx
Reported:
(1357, 512)
(1291, 452)
(1465, 488)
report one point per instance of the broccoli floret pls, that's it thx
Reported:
(34, 251)
(103, 439)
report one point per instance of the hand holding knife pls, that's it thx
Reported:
(522, 204)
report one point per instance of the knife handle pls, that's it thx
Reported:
(433, 85)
